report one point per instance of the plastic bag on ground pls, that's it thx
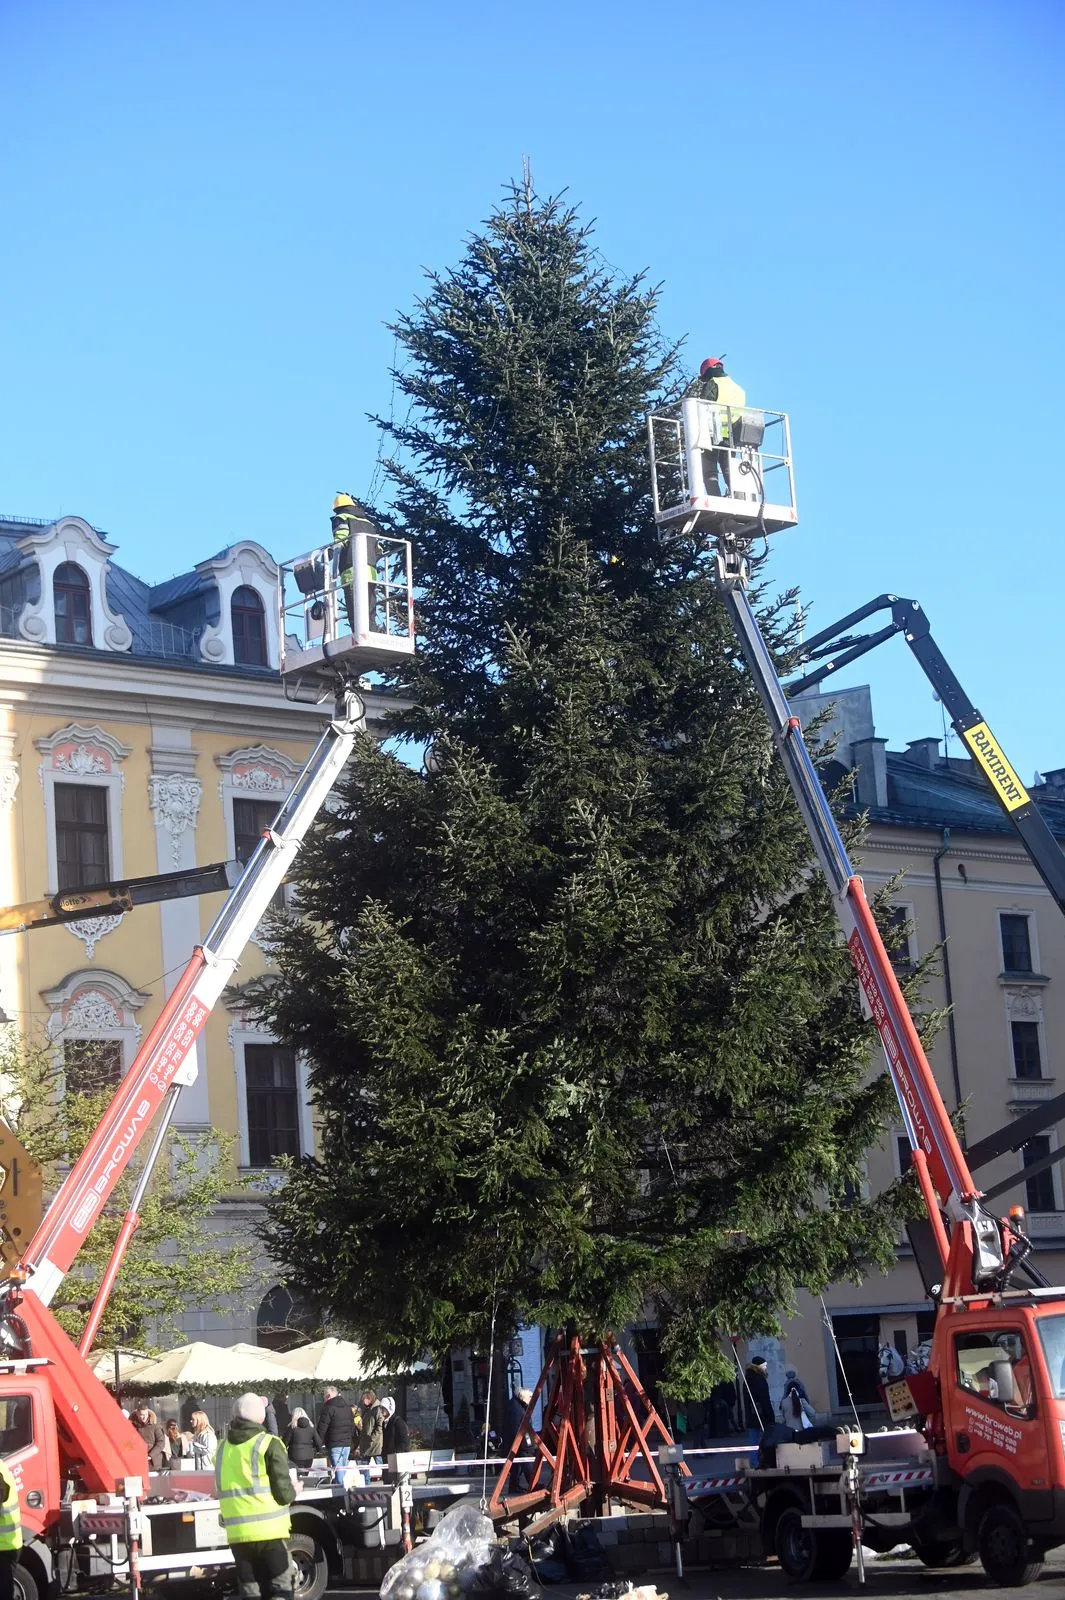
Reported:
(546, 1554)
(506, 1576)
(447, 1565)
(585, 1555)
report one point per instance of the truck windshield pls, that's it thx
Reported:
(1052, 1334)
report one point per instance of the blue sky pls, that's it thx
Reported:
(211, 211)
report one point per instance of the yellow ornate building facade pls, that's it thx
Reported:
(143, 728)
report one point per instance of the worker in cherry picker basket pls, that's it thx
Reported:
(350, 517)
(715, 385)
(10, 1532)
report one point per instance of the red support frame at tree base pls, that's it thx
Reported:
(596, 1447)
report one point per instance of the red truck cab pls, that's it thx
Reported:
(29, 1446)
(1001, 1371)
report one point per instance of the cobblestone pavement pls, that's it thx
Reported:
(885, 1580)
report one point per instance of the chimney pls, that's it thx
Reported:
(870, 765)
(1055, 778)
(925, 752)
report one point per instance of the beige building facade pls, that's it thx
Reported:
(144, 728)
(969, 887)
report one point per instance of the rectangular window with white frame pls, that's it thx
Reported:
(92, 1064)
(900, 937)
(903, 1155)
(273, 1103)
(276, 1117)
(1041, 1189)
(1026, 1048)
(1015, 933)
(82, 835)
(251, 818)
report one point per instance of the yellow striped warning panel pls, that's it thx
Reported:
(985, 748)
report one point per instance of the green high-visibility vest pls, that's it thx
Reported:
(728, 394)
(10, 1519)
(247, 1508)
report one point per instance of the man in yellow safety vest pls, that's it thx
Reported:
(715, 385)
(10, 1532)
(350, 517)
(254, 1488)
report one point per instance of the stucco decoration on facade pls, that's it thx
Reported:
(91, 1005)
(243, 566)
(90, 930)
(257, 769)
(9, 769)
(81, 752)
(72, 539)
(91, 1012)
(175, 800)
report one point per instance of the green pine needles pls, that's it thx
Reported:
(585, 1042)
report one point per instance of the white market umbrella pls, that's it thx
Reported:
(102, 1364)
(203, 1368)
(336, 1361)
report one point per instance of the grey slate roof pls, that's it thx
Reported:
(944, 797)
(165, 619)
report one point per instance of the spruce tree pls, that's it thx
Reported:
(583, 1037)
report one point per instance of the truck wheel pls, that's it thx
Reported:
(1005, 1549)
(25, 1584)
(834, 1550)
(943, 1553)
(311, 1567)
(794, 1546)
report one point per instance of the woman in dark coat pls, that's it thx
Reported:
(301, 1439)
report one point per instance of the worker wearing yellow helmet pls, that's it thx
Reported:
(349, 517)
(715, 385)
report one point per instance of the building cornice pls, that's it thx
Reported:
(961, 848)
(136, 690)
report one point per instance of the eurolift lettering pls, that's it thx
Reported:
(889, 1039)
(993, 1430)
(980, 741)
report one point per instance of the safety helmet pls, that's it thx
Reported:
(712, 367)
(343, 502)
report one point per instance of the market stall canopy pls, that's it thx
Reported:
(210, 1368)
(102, 1363)
(328, 1361)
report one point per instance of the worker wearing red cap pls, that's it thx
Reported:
(715, 385)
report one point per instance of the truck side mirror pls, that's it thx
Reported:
(1002, 1377)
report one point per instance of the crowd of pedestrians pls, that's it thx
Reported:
(344, 1434)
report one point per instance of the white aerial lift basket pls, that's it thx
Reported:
(721, 467)
(347, 606)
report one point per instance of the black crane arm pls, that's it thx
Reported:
(108, 899)
(833, 648)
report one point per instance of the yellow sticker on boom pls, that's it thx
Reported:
(985, 747)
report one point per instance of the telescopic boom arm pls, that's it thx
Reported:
(981, 1251)
(834, 648)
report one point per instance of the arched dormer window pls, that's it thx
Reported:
(249, 628)
(73, 618)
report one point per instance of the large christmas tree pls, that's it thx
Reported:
(584, 1039)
